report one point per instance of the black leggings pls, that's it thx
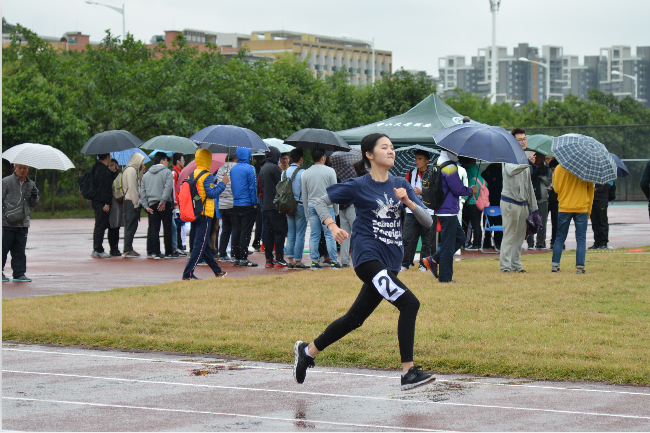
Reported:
(367, 300)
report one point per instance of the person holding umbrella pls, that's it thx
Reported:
(19, 196)
(101, 202)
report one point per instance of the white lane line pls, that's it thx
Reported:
(558, 388)
(160, 409)
(322, 394)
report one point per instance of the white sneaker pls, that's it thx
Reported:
(102, 255)
(422, 269)
(404, 269)
(457, 253)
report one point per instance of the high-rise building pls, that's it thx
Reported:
(521, 82)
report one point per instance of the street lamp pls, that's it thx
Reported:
(494, 8)
(548, 74)
(115, 9)
(372, 43)
(633, 78)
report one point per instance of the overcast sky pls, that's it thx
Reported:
(418, 32)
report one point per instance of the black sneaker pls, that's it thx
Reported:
(336, 266)
(316, 267)
(300, 266)
(302, 362)
(246, 264)
(173, 255)
(594, 247)
(4, 278)
(226, 259)
(414, 377)
(116, 253)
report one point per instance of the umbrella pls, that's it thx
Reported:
(541, 143)
(342, 163)
(218, 159)
(171, 143)
(585, 158)
(110, 141)
(218, 138)
(278, 144)
(168, 153)
(312, 138)
(621, 168)
(39, 156)
(405, 159)
(480, 141)
(124, 156)
(533, 224)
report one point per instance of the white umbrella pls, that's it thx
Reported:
(39, 156)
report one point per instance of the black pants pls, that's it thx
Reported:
(114, 239)
(600, 223)
(101, 225)
(244, 218)
(553, 209)
(259, 222)
(131, 219)
(367, 300)
(14, 240)
(226, 230)
(452, 238)
(413, 230)
(153, 232)
(472, 215)
(276, 228)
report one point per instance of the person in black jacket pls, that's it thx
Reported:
(275, 223)
(101, 202)
(645, 183)
(599, 221)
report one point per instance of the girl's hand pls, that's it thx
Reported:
(403, 196)
(339, 234)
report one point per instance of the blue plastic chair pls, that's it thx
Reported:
(491, 211)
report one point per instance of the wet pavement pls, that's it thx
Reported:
(58, 256)
(47, 388)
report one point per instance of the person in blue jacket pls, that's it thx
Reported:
(244, 199)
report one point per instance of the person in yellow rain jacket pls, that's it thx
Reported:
(208, 191)
(575, 199)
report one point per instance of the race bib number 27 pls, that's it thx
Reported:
(386, 287)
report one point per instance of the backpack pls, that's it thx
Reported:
(483, 199)
(612, 192)
(118, 189)
(189, 200)
(86, 186)
(284, 201)
(432, 195)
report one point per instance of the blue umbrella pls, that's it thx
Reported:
(405, 159)
(621, 168)
(585, 158)
(168, 153)
(480, 141)
(123, 157)
(217, 137)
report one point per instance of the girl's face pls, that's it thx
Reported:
(112, 167)
(383, 154)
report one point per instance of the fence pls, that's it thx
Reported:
(631, 143)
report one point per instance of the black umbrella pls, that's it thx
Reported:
(110, 141)
(312, 138)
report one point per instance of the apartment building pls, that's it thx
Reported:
(521, 81)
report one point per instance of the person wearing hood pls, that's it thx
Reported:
(116, 214)
(275, 223)
(244, 199)
(131, 179)
(517, 196)
(157, 195)
(226, 211)
(178, 162)
(452, 236)
(208, 191)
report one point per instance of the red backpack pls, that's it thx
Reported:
(189, 200)
(483, 199)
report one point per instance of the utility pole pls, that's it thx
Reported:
(494, 8)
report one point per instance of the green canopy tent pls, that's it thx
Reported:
(416, 126)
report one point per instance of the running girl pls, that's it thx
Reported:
(377, 253)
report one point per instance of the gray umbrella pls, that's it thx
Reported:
(110, 141)
(171, 143)
(585, 158)
(312, 138)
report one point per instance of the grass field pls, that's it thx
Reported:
(537, 325)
